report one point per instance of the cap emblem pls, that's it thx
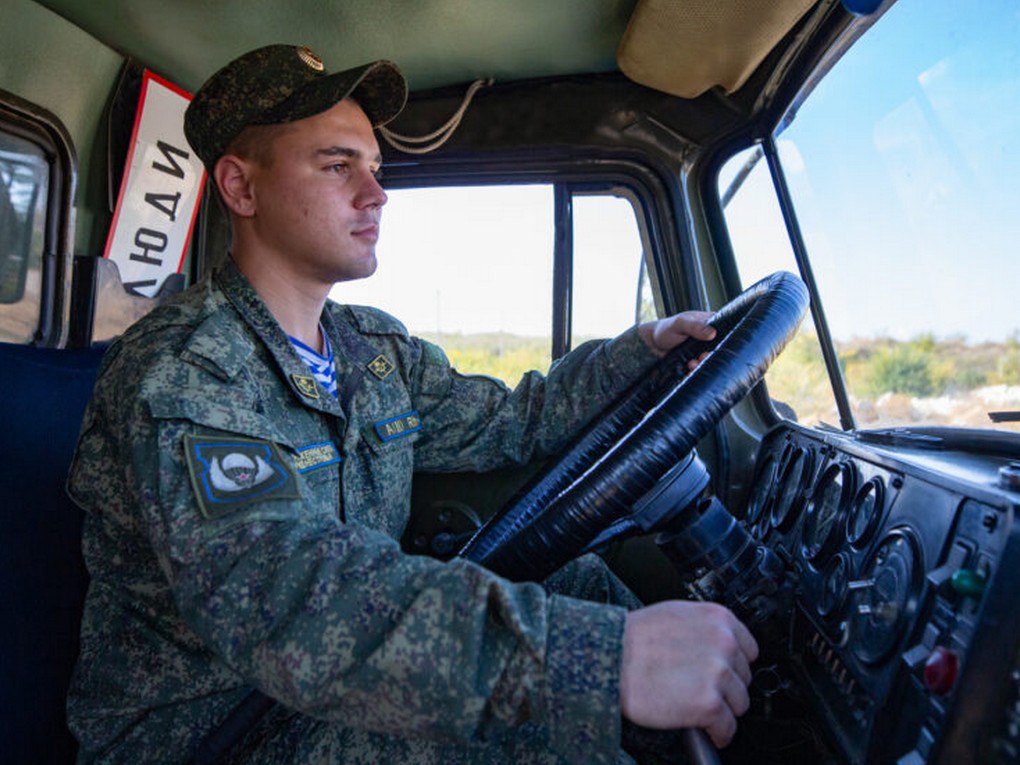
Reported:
(308, 56)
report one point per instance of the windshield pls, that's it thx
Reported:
(903, 167)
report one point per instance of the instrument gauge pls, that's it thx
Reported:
(826, 512)
(793, 480)
(835, 576)
(885, 597)
(761, 496)
(865, 512)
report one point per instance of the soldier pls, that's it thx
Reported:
(243, 503)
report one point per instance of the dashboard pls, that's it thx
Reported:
(904, 564)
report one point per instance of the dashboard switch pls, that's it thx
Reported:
(968, 583)
(940, 671)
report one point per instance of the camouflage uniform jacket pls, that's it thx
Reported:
(241, 532)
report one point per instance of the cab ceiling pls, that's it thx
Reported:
(436, 42)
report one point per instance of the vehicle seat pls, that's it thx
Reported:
(43, 393)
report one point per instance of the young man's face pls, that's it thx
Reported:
(316, 196)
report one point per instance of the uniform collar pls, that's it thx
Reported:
(246, 301)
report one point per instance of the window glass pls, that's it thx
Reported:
(611, 289)
(797, 381)
(469, 268)
(24, 182)
(903, 169)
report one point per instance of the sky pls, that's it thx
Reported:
(904, 165)
(910, 208)
(479, 259)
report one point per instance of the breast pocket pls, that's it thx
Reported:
(377, 478)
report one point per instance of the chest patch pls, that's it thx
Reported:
(381, 367)
(228, 474)
(316, 456)
(395, 427)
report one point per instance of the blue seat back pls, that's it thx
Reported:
(43, 393)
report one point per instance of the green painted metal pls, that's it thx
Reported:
(436, 42)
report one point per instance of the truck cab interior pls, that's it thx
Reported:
(562, 171)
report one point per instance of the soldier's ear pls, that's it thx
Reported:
(232, 175)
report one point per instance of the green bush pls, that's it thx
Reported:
(500, 355)
(901, 368)
(1007, 368)
(798, 379)
(968, 379)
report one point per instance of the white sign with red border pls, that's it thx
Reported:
(159, 195)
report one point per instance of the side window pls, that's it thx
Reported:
(469, 268)
(24, 186)
(472, 269)
(611, 289)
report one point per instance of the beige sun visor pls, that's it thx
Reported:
(685, 47)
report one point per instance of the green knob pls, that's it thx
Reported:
(968, 583)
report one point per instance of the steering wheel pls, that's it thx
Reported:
(637, 440)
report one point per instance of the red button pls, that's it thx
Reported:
(940, 670)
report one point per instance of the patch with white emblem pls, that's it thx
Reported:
(305, 385)
(395, 427)
(316, 456)
(229, 473)
(381, 367)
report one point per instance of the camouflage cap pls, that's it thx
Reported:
(284, 83)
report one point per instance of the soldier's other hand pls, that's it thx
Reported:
(686, 665)
(666, 334)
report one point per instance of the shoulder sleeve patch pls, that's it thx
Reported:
(231, 473)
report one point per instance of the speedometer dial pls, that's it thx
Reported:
(886, 596)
